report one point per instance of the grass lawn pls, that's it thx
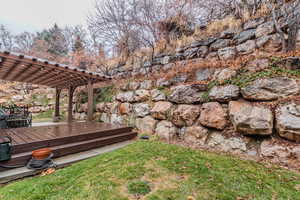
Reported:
(156, 171)
(46, 116)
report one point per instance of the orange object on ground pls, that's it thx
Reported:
(41, 154)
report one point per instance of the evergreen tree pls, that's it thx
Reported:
(55, 39)
(78, 45)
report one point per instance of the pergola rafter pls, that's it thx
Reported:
(27, 69)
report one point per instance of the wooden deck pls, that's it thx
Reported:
(63, 139)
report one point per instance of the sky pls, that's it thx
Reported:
(35, 15)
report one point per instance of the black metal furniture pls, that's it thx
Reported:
(15, 116)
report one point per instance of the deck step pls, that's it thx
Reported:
(68, 139)
(71, 148)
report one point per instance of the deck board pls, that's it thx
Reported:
(45, 133)
(63, 139)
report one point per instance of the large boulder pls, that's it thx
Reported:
(246, 47)
(146, 125)
(224, 74)
(257, 65)
(114, 107)
(252, 24)
(262, 41)
(203, 42)
(249, 119)
(221, 43)
(126, 97)
(141, 109)
(213, 116)
(227, 53)
(204, 74)
(80, 116)
(125, 108)
(280, 151)
(83, 108)
(133, 85)
(196, 134)
(233, 145)
(265, 29)
(187, 94)
(196, 52)
(181, 78)
(161, 110)
(101, 107)
(104, 117)
(116, 119)
(270, 88)
(203, 51)
(141, 95)
(244, 36)
(166, 130)
(17, 98)
(157, 95)
(270, 43)
(227, 34)
(163, 82)
(146, 85)
(185, 115)
(224, 93)
(272, 150)
(288, 121)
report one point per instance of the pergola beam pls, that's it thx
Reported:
(61, 77)
(11, 69)
(68, 81)
(16, 67)
(31, 76)
(90, 101)
(34, 61)
(20, 73)
(56, 116)
(70, 103)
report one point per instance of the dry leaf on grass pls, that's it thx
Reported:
(208, 165)
(297, 187)
(48, 171)
(190, 198)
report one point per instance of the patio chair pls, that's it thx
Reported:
(16, 117)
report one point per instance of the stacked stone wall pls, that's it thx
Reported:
(252, 110)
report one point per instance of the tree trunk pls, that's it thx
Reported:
(292, 38)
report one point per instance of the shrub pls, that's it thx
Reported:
(217, 26)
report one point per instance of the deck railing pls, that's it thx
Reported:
(14, 116)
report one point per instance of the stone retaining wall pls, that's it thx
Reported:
(253, 110)
(257, 34)
(259, 119)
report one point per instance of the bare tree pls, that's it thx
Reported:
(286, 18)
(6, 38)
(248, 7)
(72, 33)
(134, 20)
(24, 42)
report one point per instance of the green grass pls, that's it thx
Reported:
(43, 116)
(47, 116)
(139, 187)
(172, 173)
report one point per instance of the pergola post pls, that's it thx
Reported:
(90, 101)
(56, 116)
(70, 103)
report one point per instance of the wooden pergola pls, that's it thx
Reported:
(27, 69)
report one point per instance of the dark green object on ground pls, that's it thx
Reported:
(5, 148)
